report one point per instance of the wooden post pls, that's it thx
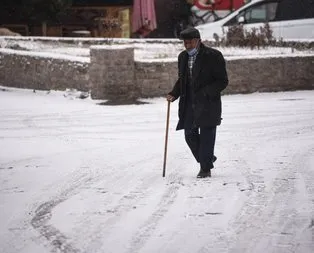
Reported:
(166, 139)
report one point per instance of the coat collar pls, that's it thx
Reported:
(198, 62)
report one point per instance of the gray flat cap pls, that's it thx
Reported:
(190, 33)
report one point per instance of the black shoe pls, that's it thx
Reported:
(203, 174)
(214, 159)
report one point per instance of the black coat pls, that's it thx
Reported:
(209, 78)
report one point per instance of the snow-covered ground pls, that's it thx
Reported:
(79, 177)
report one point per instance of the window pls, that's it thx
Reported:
(259, 13)
(292, 9)
(271, 11)
(234, 21)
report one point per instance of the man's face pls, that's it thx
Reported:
(190, 44)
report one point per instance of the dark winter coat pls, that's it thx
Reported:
(209, 78)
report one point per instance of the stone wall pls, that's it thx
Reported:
(245, 75)
(155, 78)
(111, 73)
(270, 74)
(115, 75)
(41, 71)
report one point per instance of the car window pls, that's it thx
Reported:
(271, 11)
(259, 13)
(234, 20)
(292, 9)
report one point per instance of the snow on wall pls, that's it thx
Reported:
(151, 50)
(59, 63)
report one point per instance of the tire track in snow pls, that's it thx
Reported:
(40, 221)
(126, 202)
(43, 213)
(305, 219)
(220, 240)
(265, 215)
(280, 224)
(251, 223)
(167, 199)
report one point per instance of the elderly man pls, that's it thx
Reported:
(202, 76)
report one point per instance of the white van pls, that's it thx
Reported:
(289, 19)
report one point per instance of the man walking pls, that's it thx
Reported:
(202, 76)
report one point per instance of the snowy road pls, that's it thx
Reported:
(79, 177)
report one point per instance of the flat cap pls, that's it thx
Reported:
(190, 33)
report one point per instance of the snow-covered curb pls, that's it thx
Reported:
(232, 58)
(142, 54)
(46, 55)
(95, 41)
(145, 50)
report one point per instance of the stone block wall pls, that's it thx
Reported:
(245, 75)
(155, 78)
(25, 70)
(112, 73)
(270, 74)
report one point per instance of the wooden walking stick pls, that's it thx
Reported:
(166, 139)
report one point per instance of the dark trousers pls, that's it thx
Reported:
(201, 141)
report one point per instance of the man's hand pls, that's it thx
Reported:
(170, 98)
